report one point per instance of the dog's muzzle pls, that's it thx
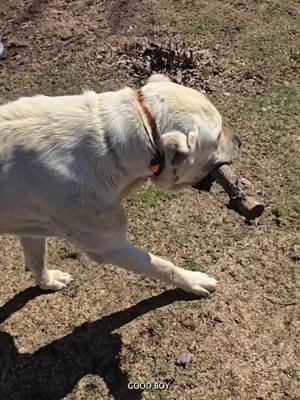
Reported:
(206, 183)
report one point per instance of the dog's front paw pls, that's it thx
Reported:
(198, 283)
(55, 280)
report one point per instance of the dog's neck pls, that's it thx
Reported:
(157, 163)
(128, 142)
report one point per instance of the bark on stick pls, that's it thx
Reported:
(241, 192)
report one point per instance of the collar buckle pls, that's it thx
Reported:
(157, 163)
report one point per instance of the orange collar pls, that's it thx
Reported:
(158, 161)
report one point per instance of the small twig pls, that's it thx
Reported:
(292, 303)
(192, 345)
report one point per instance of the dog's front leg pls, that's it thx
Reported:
(130, 257)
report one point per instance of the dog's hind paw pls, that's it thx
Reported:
(55, 280)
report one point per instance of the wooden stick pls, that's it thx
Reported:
(241, 192)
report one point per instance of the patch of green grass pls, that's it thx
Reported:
(290, 91)
(279, 212)
(274, 119)
(286, 213)
(291, 373)
(277, 110)
(206, 23)
(193, 265)
(181, 236)
(151, 196)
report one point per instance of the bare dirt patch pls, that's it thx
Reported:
(109, 327)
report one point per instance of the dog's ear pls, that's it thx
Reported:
(158, 78)
(178, 147)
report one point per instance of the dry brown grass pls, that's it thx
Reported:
(109, 327)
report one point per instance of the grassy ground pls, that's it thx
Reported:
(109, 327)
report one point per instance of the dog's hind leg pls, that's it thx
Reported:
(34, 249)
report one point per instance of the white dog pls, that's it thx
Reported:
(67, 163)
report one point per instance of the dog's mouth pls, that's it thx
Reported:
(206, 183)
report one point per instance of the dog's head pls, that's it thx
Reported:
(192, 138)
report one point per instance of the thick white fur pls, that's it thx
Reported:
(67, 162)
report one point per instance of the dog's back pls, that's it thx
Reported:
(38, 141)
(41, 106)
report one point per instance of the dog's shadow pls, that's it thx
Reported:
(92, 348)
